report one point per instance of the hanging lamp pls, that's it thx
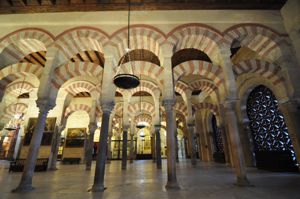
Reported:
(12, 125)
(127, 80)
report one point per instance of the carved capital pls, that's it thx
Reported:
(230, 104)
(45, 105)
(107, 107)
(92, 127)
(157, 127)
(168, 104)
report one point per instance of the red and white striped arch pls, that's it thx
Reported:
(265, 69)
(76, 107)
(12, 109)
(135, 108)
(141, 37)
(201, 106)
(181, 108)
(16, 45)
(205, 69)
(203, 85)
(181, 88)
(258, 38)
(80, 86)
(79, 39)
(19, 70)
(144, 68)
(18, 88)
(75, 69)
(197, 36)
(118, 109)
(146, 86)
(143, 118)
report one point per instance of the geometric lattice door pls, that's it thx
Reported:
(219, 155)
(273, 147)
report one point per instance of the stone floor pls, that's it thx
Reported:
(143, 181)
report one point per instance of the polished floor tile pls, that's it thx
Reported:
(143, 181)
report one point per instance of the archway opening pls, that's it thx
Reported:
(273, 149)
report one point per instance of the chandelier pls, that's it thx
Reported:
(126, 80)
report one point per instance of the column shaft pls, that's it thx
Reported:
(238, 158)
(192, 144)
(131, 147)
(158, 147)
(55, 147)
(171, 146)
(124, 150)
(100, 163)
(26, 180)
(90, 147)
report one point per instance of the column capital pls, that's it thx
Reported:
(230, 104)
(45, 104)
(126, 127)
(168, 104)
(92, 127)
(191, 125)
(107, 107)
(157, 127)
(291, 105)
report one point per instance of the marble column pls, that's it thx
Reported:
(109, 152)
(131, 147)
(225, 145)
(26, 179)
(237, 152)
(55, 147)
(98, 185)
(90, 146)
(176, 145)
(191, 128)
(158, 146)
(153, 147)
(124, 148)
(171, 145)
(291, 113)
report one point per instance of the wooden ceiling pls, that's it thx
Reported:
(38, 6)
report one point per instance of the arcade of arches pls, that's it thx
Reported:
(214, 90)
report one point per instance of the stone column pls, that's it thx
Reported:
(158, 146)
(98, 185)
(225, 145)
(191, 128)
(90, 146)
(131, 146)
(171, 145)
(153, 147)
(124, 148)
(26, 180)
(237, 152)
(291, 112)
(109, 153)
(55, 147)
(176, 144)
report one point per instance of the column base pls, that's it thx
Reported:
(194, 163)
(22, 189)
(97, 188)
(53, 169)
(158, 166)
(172, 186)
(243, 182)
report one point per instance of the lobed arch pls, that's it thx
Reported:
(79, 39)
(141, 37)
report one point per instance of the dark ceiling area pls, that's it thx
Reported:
(40, 6)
